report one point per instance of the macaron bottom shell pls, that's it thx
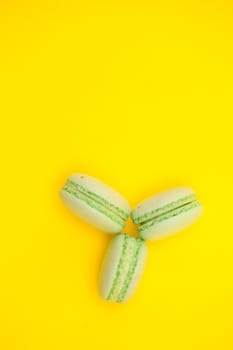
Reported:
(122, 268)
(170, 223)
(100, 218)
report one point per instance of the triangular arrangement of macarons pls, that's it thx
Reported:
(161, 215)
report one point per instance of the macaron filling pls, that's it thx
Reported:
(93, 200)
(167, 212)
(126, 267)
(164, 209)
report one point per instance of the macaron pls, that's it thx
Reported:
(166, 213)
(122, 268)
(96, 203)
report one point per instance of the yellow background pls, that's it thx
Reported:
(138, 94)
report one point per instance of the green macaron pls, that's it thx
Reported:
(122, 268)
(96, 203)
(166, 213)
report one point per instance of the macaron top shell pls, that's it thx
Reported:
(161, 203)
(96, 203)
(101, 193)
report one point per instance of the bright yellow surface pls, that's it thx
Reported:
(140, 96)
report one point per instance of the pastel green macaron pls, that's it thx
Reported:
(166, 213)
(122, 268)
(96, 203)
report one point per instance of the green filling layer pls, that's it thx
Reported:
(128, 259)
(120, 266)
(131, 271)
(169, 215)
(95, 205)
(164, 209)
(116, 210)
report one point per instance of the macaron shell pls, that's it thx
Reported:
(110, 264)
(102, 190)
(159, 201)
(91, 215)
(172, 225)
